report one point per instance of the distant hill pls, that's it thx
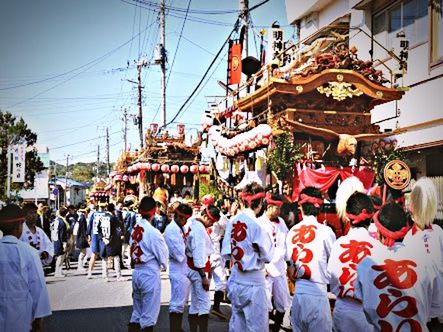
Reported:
(81, 172)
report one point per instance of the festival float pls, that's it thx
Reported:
(315, 98)
(163, 158)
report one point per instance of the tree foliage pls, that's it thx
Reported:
(282, 158)
(13, 131)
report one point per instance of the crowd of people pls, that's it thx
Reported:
(384, 274)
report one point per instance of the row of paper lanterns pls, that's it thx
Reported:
(98, 194)
(257, 137)
(165, 168)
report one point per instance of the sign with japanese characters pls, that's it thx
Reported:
(18, 162)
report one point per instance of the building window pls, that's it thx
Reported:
(409, 16)
(437, 32)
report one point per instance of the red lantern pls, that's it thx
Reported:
(194, 169)
(184, 169)
(203, 169)
(148, 166)
(155, 167)
(165, 168)
(181, 129)
(175, 169)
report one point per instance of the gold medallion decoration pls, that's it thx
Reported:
(397, 174)
(235, 62)
(339, 90)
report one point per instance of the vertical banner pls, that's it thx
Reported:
(234, 65)
(275, 43)
(18, 162)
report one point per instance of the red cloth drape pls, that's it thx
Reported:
(325, 178)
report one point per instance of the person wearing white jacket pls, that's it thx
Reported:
(175, 238)
(198, 250)
(149, 254)
(249, 247)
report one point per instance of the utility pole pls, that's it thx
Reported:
(66, 179)
(108, 167)
(244, 10)
(98, 161)
(163, 63)
(125, 130)
(139, 103)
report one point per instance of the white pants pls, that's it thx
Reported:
(146, 296)
(249, 307)
(200, 301)
(278, 290)
(349, 317)
(219, 274)
(311, 313)
(116, 266)
(180, 289)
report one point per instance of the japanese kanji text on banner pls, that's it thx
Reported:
(18, 162)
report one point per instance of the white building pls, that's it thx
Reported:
(368, 22)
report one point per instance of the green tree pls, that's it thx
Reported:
(13, 131)
(282, 158)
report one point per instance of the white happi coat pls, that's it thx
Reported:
(347, 252)
(396, 289)
(39, 241)
(249, 247)
(178, 267)
(430, 243)
(309, 245)
(23, 292)
(216, 232)
(149, 253)
(276, 279)
(198, 250)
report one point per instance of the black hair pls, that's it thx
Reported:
(187, 193)
(392, 216)
(128, 203)
(213, 210)
(356, 203)
(71, 207)
(63, 212)
(309, 209)
(147, 203)
(185, 209)
(111, 207)
(29, 206)
(252, 189)
(10, 211)
(376, 201)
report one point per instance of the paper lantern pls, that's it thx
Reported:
(165, 168)
(125, 178)
(155, 167)
(194, 169)
(184, 169)
(118, 177)
(175, 169)
(202, 168)
(148, 166)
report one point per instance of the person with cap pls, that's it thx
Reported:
(309, 245)
(59, 233)
(109, 230)
(218, 272)
(24, 296)
(81, 238)
(149, 254)
(249, 247)
(276, 277)
(396, 284)
(198, 250)
(93, 234)
(178, 268)
(424, 235)
(44, 221)
(347, 252)
(35, 236)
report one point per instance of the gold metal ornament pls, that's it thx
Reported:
(339, 90)
(397, 174)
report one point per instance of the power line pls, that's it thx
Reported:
(84, 141)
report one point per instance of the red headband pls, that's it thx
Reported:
(181, 214)
(269, 200)
(148, 213)
(377, 207)
(309, 199)
(12, 220)
(390, 236)
(210, 216)
(249, 198)
(358, 218)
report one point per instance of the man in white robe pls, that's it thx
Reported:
(309, 245)
(36, 236)
(149, 254)
(198, 250)
(24, 296)
(178, 266)
(249, 247)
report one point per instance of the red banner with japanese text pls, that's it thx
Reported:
(234, 65)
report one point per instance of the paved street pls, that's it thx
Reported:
(79, 304)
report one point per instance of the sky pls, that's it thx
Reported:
(64, 66)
